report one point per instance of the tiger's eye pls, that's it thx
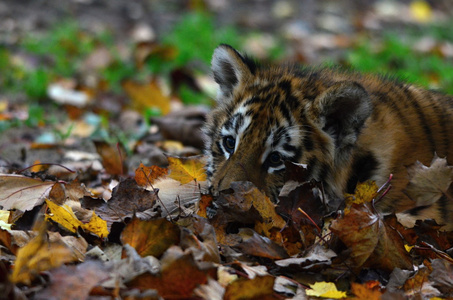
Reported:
(229, 143)
(275, 159)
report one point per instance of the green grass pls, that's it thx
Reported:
(188, 47)
(396, 56)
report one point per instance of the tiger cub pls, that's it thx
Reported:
(346, 127)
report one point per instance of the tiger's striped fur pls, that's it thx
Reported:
(346, 127)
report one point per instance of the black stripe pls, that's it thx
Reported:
(423, 122)
(239, 121)
(289, 148)
(252, 100)
(285, 85)
(363, 168)
(384, 98)
(297, 155)
(442, 117)
(312, 167)
(214, 154)
(293, 102)
(325, 171)
(443, 208)
(285, 111)
(308, 142)
(227, 125)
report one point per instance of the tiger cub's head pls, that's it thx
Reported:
(266, 116)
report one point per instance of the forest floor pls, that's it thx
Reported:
(101, 105)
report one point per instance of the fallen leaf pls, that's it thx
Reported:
(364, 193)
(131, 266)
(442, 277)
(22, 193)
(64, 216)
(372, 243)
(362, 292)
(260, 287)
(144, 176)
(188, 169)
(428, 185)
(96, 226)
(205, 202)
(147, 95)
(151, 237)
(201, 239)
(4, 219)
(175, 197)
(73, 281)
(301, 206)
(325, 290)
(257, 245)
(113, 157)
(315, 257)
(184, 126)
(127, 198)
(13, 240)
(180, 275)
(39, 255)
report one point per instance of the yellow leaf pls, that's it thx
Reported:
(364, 193)
(147, 95)
(187, 169)
(40, 255)
(64, 216)
(37, 166)
(96, 226)
(421, 11)
(4, 217)
(408, 248)
(325, 290)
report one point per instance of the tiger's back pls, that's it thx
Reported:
(346, 127)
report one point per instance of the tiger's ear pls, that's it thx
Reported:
(343, 110)
(230, 67)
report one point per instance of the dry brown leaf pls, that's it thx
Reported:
(22, 193)
(14, 239)
(257, 245)
(203, 240)
(113, 157)
(205, 202)
(363, 292)
(184, 126)
(188, 169)
(151, 237)
(57, 193)
(180, 275)
(127, 198)
(314, 258)
(74, 281)
(372, 243)
(429, 184)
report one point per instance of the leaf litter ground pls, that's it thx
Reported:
(65, 237)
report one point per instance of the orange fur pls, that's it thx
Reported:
(347, 127)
